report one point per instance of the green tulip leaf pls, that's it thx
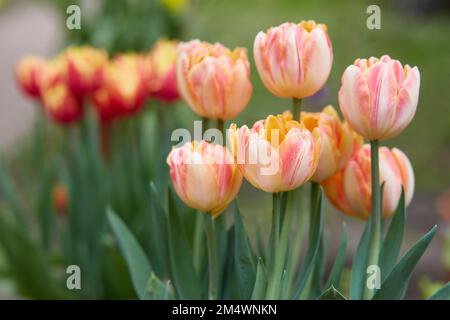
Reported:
(138, 264)
(392, 243)
(331, 294)
(335, 274)
(184, 276)
(395, 284)
(244, 260)
(442, 294)
(259, 288)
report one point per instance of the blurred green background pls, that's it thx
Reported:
(415, 32)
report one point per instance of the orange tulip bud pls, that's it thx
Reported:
(60, 199)
(204, 176)
(214, 80)
(379, 97)
(85, 69)
(162, 70)
(276, 154)
(294, 60)
(339, 141)
(350, 189)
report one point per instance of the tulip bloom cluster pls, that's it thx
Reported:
(117, 87)
(378, 99)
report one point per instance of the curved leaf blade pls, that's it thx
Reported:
(138, 264)
(395, 284)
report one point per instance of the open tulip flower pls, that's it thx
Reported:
(350, 189)
(124, 88)
(28, 72)
(339, 141)
(85, 69)
(277, 154)
(161, 63)
(214, 81)
(379, 97)
(294, 60)
(204, 176)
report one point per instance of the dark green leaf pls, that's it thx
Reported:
(137, 262)
(331, 294)
(335, 275)
(185, 278)
(313, 246)
(259, 288)
(157, 290)
(158, 246)
(392, 243)
(360, 261)
(244, 260)
(442, 294)
(395, 284)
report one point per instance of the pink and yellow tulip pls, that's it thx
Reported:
(339, 141)
(276, 154)
(379, 97)
(350, 189)
(214, 81)
(294, 60)
(204, 176)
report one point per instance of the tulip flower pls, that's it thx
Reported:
(277, 154)
(378, 97)
(339, 141)
(123, 90)
(350, 189)
(214, 81)
(204, 176)
(162, 70)
(61, 104)
(28, 71)
(294, 60)
(85, 69)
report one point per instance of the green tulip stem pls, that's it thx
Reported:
(221, 127)
(212, 253)
(296, 108)
(376, 206)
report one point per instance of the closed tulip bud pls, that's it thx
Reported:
(161, 63)
(378, 97)
(214, 81)
(339, 141)
(204, 176)
(85, 69)
(123, 90)
(60, 199)
(276, 154)
(350, 190)
(294, 60)
(28, 72)
(61, 104)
